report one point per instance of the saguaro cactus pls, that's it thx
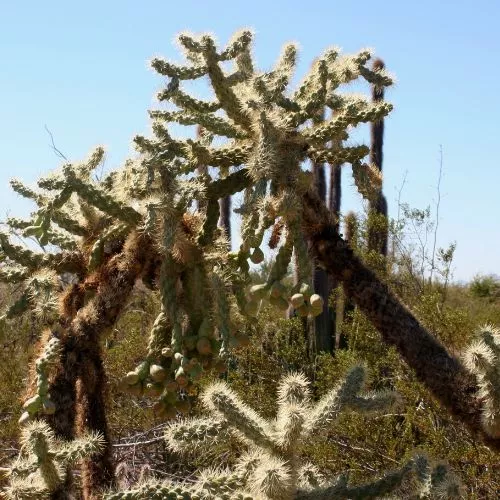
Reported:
(324, 323)
(377, 215)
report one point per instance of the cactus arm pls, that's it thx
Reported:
(193, 433)
(222, 401)
(98, 198)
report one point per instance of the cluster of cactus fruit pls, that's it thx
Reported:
(273, 467)
(304, 302)
(202, 285)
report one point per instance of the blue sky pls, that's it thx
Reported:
(81, 69)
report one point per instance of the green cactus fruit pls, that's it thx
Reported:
(24, 418)
(204, 346)
(152, 390)
(143, 370)
(167, 352)
(257, 256)
(48, 406)
(279, 302)
(302, 311)
(33, 405)
(131, 378)
(157, 373)
(297, 300)
(306, 291)
(315, 312)
(258, 292)
(181, 377)
(316, 301)
(278, 289)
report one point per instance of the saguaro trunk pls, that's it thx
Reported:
(377, 216)
(323, 327)
(334, 204)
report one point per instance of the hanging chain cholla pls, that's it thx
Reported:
(202, 285)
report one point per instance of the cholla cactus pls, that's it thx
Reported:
(273, 468)
(154, 220)
(483, 359)
(41, 467)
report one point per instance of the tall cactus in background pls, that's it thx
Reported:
(347, 306)
(273, 467)
(334, 205)
(377, 216)
(324, 323)
(153, 220)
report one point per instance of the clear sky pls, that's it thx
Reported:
(81, 69)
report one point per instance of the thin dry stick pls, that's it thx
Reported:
(437, 211)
